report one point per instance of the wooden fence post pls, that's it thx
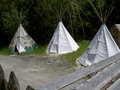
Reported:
(13, 83)
(4, 85)
(29, 88)
(2, 76)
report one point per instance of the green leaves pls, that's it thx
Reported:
(11, 18)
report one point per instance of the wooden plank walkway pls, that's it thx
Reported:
(102, 78)
(115, 86)
(75, 76)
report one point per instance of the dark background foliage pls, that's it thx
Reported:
(40, 18)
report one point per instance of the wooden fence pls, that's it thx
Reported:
(12, 83)
(99, 76)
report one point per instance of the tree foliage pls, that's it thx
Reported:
(40, 17)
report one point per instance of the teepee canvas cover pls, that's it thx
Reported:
(61, 42)
(101, 47)
(21, 41)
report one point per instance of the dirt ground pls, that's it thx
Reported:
(35, 70)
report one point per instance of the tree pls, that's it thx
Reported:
(11, 18)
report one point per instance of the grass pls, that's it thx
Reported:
(39, 51)
(70, 57)
(4, 51)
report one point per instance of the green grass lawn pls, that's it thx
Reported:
(70, 57)
(4, 51)
(40, 50)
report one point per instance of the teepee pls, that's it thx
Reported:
(61, 42)
(21, 41)
(101, 47)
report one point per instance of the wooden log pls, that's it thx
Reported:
(102, 78)
(4, 85)
(2, 77)
(115, 86)
(13, 83)
(29, 88)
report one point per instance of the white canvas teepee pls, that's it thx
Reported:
(61, 42)
(101, 47)
(21, 41)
